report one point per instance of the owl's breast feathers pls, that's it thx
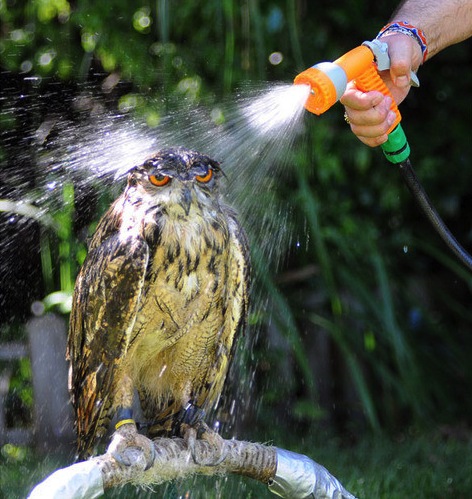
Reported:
(193, 303)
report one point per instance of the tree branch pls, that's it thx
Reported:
(286, 473)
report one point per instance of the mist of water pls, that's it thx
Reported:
(256, 148)
(256, 124)
(251, 136)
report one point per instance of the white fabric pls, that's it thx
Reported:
(79, 481)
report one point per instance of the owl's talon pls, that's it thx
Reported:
(202, 431)
(128, 447)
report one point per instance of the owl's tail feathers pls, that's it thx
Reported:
(88, 438)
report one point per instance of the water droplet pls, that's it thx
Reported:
(37, 308)
(405, 249)
(276, 58)
(26, 67)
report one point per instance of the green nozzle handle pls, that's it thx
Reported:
(396, 149)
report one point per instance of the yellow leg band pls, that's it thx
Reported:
(123, 422)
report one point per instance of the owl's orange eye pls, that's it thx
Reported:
(159, 180)
(205, 178)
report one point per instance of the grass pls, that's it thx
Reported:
(415, 466)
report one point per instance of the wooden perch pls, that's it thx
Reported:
(287, 474)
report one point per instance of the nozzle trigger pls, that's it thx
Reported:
(382, 59)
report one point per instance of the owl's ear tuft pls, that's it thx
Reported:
(216, 165)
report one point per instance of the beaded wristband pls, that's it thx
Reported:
(407, 29)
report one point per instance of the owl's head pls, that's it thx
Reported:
(177, 176)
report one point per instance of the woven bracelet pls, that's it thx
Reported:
(407, 29)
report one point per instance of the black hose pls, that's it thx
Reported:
(422, 199)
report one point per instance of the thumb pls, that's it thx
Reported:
(401, 52)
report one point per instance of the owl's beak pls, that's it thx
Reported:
(186, 199)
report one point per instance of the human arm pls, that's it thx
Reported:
(444, 23)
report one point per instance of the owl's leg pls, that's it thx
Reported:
(127, 445)
(193, 427)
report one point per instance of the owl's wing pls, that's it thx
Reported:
(239, 278)
(235, 316)
(106, 299)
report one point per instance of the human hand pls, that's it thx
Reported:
(369, 113)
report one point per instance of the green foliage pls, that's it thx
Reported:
(422, 466)
(22, 469)
(58, 244)
(68, 253)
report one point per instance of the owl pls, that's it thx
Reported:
(158, 302)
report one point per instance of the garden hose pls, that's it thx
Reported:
(328, 82)
(415, 187)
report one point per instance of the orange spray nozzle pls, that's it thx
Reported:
(328, 80)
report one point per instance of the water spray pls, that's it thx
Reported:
(328, 82)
